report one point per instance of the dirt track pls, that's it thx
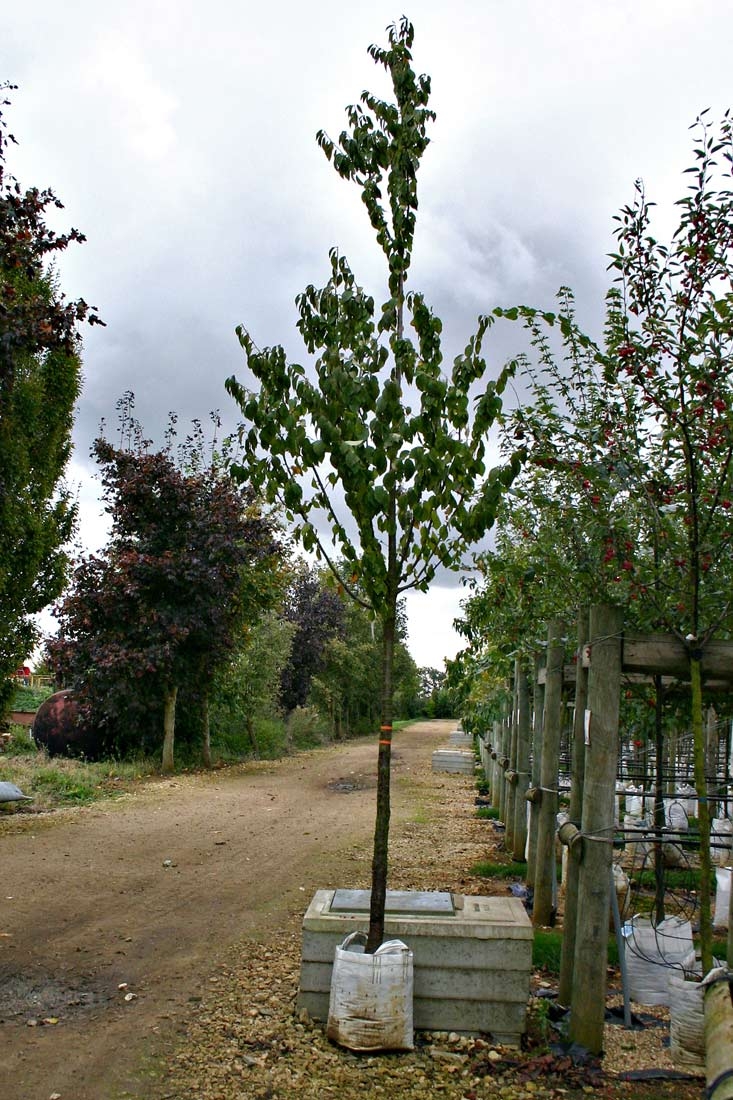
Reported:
(142, 893)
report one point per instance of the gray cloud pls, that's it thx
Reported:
(181, 139)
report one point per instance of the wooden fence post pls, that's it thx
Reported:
(538, 714)
(545, 874)
(495, 753)
(511, 781)
(575, 813)
(522, 763)
(587, 1006)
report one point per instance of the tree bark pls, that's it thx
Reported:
(206, 746)
(381, 829)
(169, 728)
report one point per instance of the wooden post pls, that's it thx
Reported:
(718, 1015)
(538, 711)
(495, 752)
(502, 762)
(522, 763)
(511, 783)
(711, 760)
(545, 874)
(575, 813)
(587, 1006)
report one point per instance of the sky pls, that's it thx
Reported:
(181, 139)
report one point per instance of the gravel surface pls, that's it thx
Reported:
(245, 1040)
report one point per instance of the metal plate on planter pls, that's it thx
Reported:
(417, 903)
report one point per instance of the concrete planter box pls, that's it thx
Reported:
(472, 956)
(454, 760)
(460, 740)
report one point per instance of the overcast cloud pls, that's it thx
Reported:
(180, 138)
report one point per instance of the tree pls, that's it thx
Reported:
(317, 615)
(642, 428)
(248, 687)
(40, 379)
(380, 423)
(348, 685)
(190, 560)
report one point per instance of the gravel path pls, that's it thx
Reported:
(150, 948)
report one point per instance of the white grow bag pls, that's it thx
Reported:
(653, 953)
(370, 1007)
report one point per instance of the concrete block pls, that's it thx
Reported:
(472, 963)
(454, 760)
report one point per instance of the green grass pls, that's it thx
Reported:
(499, 870)
(547, 950)
(490, 813)
(56, 783)
(28, 699)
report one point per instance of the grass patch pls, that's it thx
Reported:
(547, 950)
(29, 699)
(57, 783)
(675, 878)
(488, 813)
(499, 870)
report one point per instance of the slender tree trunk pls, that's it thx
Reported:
(381, 828)
(169, 728)
(206, 747)
(252, 734)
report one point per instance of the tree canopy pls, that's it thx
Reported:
(40, 381)
(191, 559)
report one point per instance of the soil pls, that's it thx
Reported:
(149, 946)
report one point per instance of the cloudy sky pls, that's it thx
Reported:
(180, 137)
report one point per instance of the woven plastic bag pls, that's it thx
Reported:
(370, 1007)
(653, 953)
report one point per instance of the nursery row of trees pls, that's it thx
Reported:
(626, 495)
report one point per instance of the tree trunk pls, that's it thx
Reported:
(169, 728)
(381, 828)
(206, 747)
(588, 1002)
(252, 735)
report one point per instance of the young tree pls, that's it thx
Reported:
(190, 560)
(40, 379)
(379, 424)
